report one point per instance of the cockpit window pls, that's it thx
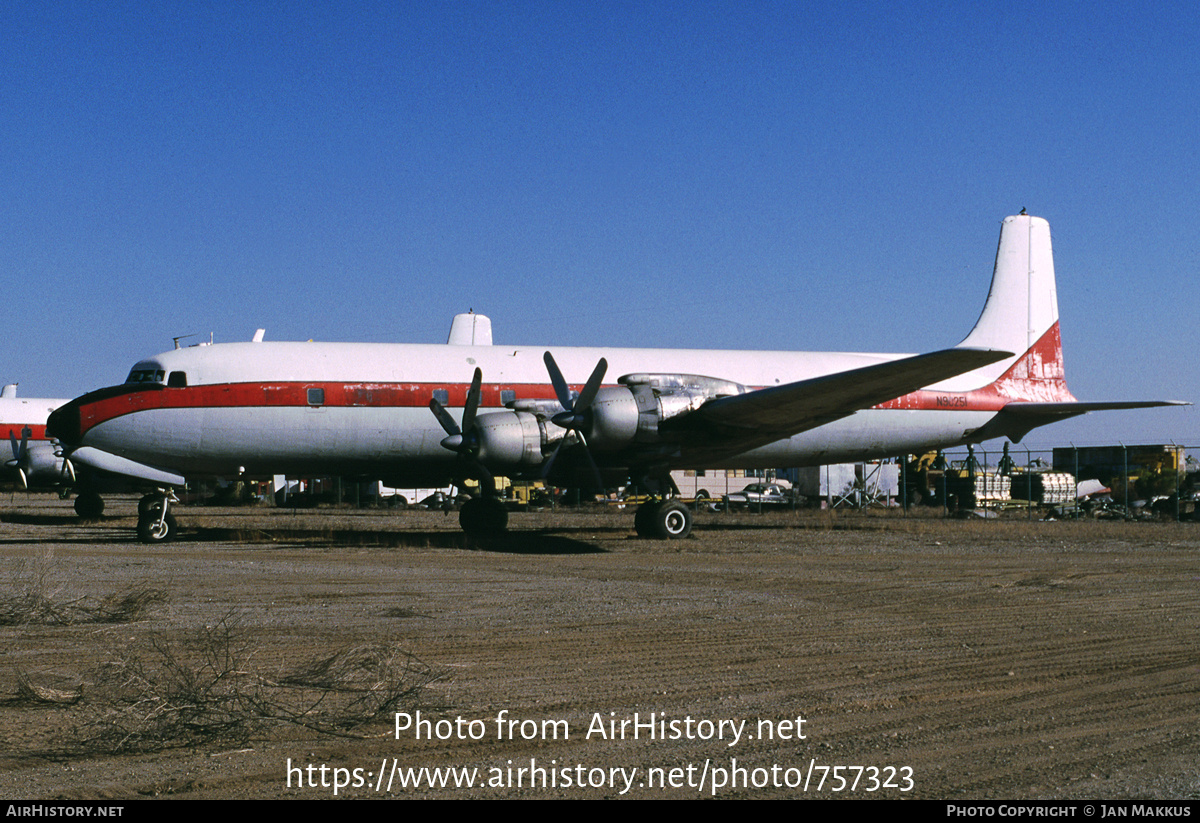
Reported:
(177, 380)
(146, 376)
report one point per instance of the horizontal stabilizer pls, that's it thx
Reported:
(107, 462)
(1082, 407)
(782, 411)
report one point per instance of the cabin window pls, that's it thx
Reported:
(507, 396)
(316, 397)
(177, 380)
(442, 396)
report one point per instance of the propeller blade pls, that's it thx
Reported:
(443, 416)
(548, 468)
(584, 401)
(69, 469)
(473, 395)
(556, 379)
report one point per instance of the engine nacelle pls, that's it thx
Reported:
(37, 466)
(44, 467)
(614, 419)
(630, 414)
(512, 438)
(619, 417)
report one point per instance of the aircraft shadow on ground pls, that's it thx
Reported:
(523, 542)
(42, 519)
(518, 542)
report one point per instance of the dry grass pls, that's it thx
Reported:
(48, 688)
(167, 695)
(37, 601)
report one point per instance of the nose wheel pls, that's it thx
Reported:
(156, 524)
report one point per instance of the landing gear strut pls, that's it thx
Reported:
(156, 524)
(663, 520)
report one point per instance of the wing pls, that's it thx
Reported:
(749, 420)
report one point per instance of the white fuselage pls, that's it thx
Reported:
(247, 407)
(23, 425)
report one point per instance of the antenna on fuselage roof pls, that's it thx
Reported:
(176, 340)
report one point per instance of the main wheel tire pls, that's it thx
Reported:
(672, 521)
(153, 528)
(483, 517)
(643, 518)
(89, 505)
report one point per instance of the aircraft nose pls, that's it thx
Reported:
(63, 424)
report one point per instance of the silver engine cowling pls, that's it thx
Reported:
(513, 438)
(620, 418)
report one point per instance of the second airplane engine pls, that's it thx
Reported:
(620, 417)
(614, 419)
(513, 438)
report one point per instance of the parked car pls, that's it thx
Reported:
(758, 495)
(441, 500)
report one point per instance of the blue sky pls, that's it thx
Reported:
(727, 175)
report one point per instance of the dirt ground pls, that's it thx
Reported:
(928, 658)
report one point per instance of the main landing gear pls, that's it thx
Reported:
(663, 520)
(89, 505)
(156, 524)
(483, 516)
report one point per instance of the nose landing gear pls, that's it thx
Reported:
(156, 524)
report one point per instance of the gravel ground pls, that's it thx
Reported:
(928, 658)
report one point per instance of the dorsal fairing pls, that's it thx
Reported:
(470, 329)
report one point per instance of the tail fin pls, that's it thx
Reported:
(1021, 315)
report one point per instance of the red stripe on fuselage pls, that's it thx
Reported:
(252, 395)
(37, 431)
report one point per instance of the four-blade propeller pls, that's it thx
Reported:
(577, 414)
(464, 440)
